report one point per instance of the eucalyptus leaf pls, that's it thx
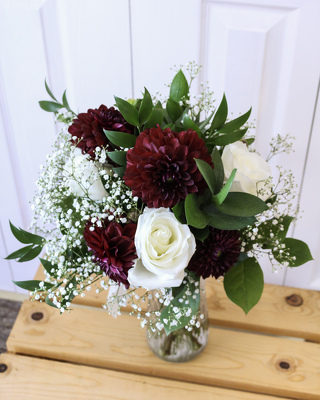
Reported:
(179, 88)
(128, 111)
(221, 115)
(242, 204)
(195, 217)
(243, 284)
(145, 108)
(33, 285)
(200, 234)
(178, 211)
(50, 106)
(296, 249)
(227, 222)
(121, 139)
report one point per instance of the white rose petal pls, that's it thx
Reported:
(164, 248)
(252, 170)
(83, 175)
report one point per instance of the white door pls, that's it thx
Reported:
(261, 53)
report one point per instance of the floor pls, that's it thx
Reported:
(8, 313)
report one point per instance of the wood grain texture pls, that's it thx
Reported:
(234, 360)
(271, 315)
(30, 378)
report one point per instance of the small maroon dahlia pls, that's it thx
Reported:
(113, 248)
(161, 167)
(89, 128)
(216, 255)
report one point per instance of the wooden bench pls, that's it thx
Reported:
(273, 353)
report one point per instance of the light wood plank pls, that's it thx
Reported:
(30, 378)
(232, 359)
(272, 314)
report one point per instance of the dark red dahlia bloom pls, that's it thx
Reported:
(113, 248)
(89, 128)
(217, 254)
(161, 168)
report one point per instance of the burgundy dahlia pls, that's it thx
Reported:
(113, 248)
(161, 168)
(89, 128)
(216, 255)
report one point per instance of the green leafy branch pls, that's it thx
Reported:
(55, 106)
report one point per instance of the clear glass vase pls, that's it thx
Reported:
(181, 345)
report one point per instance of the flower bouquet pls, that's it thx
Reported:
(159, 195)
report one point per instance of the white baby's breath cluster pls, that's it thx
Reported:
(64, 204)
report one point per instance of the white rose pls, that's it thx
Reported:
(252, 170)
(164, 248)
(83, 176)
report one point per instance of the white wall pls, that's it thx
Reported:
(261, 53)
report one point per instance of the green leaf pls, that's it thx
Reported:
(50, 106)
(119, 157)
(65, 101)
(218, 170)
(19, 253)
(243, 284)
(119, 170)
(200, 234)
(50, 268)
(49, 302)
(49, 91)
(207, 172)
(128, 111)
(227, 222)
(249, 141)
(156, 117)
(294, 248)
(33, 253)
(205, 122)
(185, 292)
(220, 115)
(242, 205)
(178, 211)
(195, 217)
(236, 123)
(145, 108)
(220, 197)
(189, 124)
(179, 87)
(121, 139)
(25, 236)
(33, 285)
(227, 138)
(285, 223)
(174, 109)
